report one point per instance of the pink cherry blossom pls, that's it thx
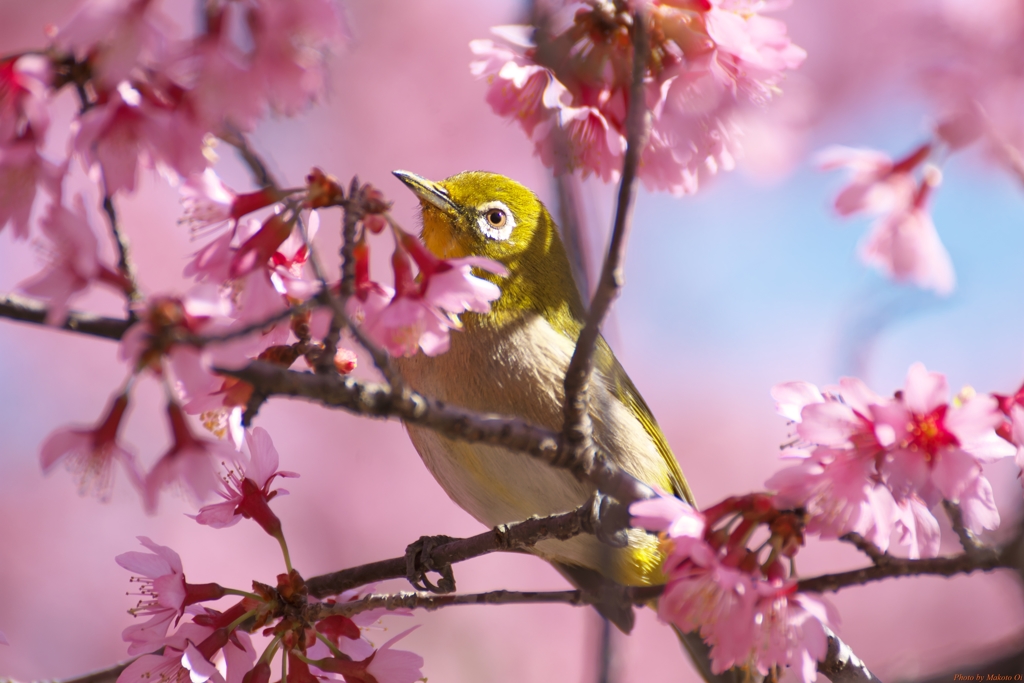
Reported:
(190, 462)
(939, 449)
(291, 40)
(187, 656)
(877, 184)
(745, 612)
(715, 60)
(246, 490)
(906, 247)
(132, 128)
(74, 261)
(384, 665)
(22, 172)
(165, 594)
(210, 205)
(90, 454)
(116, 36)
(417, 317)
(219, 79)
(24, 86)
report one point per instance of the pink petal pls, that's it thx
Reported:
(791, 397)
(924, 391)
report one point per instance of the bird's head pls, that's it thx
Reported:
(485, 214)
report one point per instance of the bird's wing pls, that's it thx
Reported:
(627, 393)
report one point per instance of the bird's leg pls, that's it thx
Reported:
(419, 560)
(608, 520)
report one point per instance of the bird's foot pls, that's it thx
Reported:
(608, 520)
(419, 560)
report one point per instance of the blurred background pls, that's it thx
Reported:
(750, 282)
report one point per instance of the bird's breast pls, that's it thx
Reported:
(518, 371)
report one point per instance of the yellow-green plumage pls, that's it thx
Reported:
(512, 361)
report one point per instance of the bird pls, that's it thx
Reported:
(512, 361)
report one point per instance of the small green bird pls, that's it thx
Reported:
(512, 361)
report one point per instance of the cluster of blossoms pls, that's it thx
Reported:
(255, 298)
(568, 84)
(743, 602)
(326, 646)
(878, 466)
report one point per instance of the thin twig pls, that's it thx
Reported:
(506, 538)
(124, 258)
(31, 311)
(985, 559)
(866, 547)
(257, 167)
(200, 340)
(379, 400)
(577, 430)
(432, 601)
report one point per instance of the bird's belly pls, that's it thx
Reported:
(519, 371)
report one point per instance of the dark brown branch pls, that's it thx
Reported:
(31, 311)
(378, 400)
(577, 430)
(866, 547)
(124, 258)
(505, 538)
(257, 167)
(984, 559)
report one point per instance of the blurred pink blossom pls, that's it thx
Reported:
(191, 462)
(116, 36)
(24, 88)
(74, 261)
(90, 454)
(383, 665)
(709, 61)
(131, 128)
(22, 172)
(906, 247)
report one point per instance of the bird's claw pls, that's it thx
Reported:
(609, 520)
(419, 560)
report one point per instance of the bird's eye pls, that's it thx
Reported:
(496, 218)
(495, 221)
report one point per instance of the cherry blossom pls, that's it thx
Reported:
(22, 172)
(877, 184)
(291, 40)
(90, 454)
(384, 665)
(747, 613)
(187, 655)
(164, 591)
(906, 247)
(210, 205)
(709, 62)
(131, 128)
(74, 261)
(938, 449)
(115, 36)
(417, 316)
(246, 490)
(190, 462)
(24, 86)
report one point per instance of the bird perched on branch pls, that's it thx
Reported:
(512, 361)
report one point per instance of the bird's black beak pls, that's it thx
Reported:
(428, 191)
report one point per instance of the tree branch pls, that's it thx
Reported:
(379, 400)
(257, 167)
(841, 665)
(593, 518)
(577, 446)
(984, 559)
(28, 310)
(124, 259)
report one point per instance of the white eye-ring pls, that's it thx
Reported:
(496, 222)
